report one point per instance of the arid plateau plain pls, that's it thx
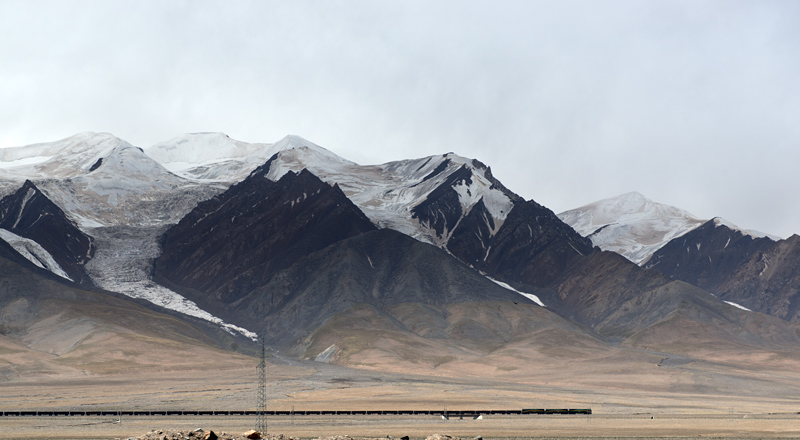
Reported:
(727, 398)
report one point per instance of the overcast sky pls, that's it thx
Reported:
(695, 104)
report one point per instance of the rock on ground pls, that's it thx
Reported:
(200, 434)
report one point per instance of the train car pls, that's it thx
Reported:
(556, 411)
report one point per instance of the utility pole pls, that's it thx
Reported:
(261, 411)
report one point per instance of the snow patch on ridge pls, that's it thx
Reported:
(530, 296)
(25, 161)
(28, 195)
(738, 306)
(718, 221)
(34, 252)
(497, 203)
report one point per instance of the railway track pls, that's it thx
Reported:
(444, 413)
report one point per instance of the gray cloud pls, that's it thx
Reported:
(692, 103)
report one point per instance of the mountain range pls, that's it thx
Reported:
(749, 269)
(430, 262)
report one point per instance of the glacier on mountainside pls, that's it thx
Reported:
(108, 187)
(122, 263)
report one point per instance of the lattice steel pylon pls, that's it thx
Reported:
(261, 410)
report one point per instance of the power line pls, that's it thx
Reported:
(261, 409)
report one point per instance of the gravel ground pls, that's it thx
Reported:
(383, 427)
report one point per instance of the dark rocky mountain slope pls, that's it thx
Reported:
(707, 255)
(286, 257)
(231, 244)
(646, 309)
(29, 213)
(532, 246)
(384, 271)
(755, 272)
(733, 264)
(768, 281)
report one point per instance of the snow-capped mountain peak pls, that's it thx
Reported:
(386, 193)
(209, 156)
(216, 157)
(630, 224)
(124, 170)
(297, 153)
(63, 159)
(389, 193)
(99, 179)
